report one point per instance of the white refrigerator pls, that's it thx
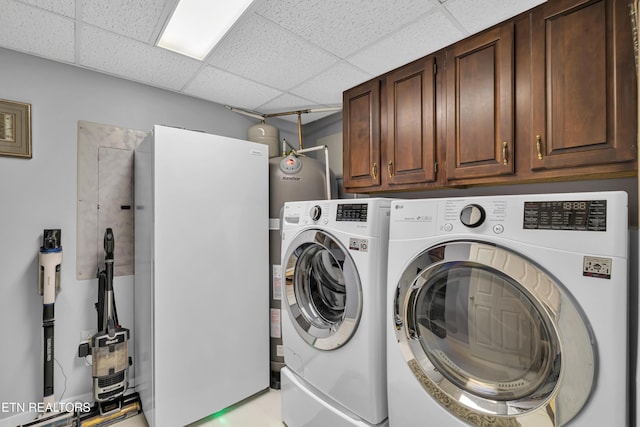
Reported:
(201, 331)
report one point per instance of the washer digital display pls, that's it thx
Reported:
(352, 212)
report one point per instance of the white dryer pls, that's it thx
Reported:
(508, 311)
(334, 290)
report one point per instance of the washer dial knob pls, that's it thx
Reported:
(472, 215)
(315, 212)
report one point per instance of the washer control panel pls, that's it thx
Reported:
(315, 212)
(354, 212)
(472, 215)
(460, 215)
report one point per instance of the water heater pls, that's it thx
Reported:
(291, 178)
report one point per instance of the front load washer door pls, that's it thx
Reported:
(493, 338)
(322, 289)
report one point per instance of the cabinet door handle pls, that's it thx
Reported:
(505, 160)
(539, 146)
(374, 170)
(390, 168)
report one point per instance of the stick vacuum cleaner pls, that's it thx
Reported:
(50, 261)
(49, 266)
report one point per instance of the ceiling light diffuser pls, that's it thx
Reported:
(196, 26)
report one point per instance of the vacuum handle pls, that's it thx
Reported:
(48, 358)
(109, 244)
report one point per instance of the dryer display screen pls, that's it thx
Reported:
(352, 212)
(580, 215)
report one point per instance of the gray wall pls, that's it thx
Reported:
(41, 193)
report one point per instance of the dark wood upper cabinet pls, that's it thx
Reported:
(361, 135)
(548, 95)
(583, 85)
(410, 137)
(480, 105)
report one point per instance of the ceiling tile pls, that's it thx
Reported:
(225, 88)
(327, 88)
(264, 52)
(476, 15)
(136, 19)
(342, 27)
(113, 54)
(37, 31)
(419, 39)
(63, 7)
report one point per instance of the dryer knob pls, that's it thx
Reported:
(315, 212)
(472, 215)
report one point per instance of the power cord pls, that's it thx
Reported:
(65, 379)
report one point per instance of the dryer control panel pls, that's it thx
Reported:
(581, 215)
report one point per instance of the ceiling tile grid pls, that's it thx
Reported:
(327, 87)
(283, 55)
(428, 34)
(342, 27)
(266, 53)
(36, 31)
(225, 88)
(114, 54)
(476, 15)
(136, 19)
(63, 7)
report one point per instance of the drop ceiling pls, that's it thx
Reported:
(282, 55)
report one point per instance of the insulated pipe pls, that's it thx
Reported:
(299, 130)
(246, 113)
(326, 164)
(286, 144)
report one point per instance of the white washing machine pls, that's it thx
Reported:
(508, 311)
(334, 270)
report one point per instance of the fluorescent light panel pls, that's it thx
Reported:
(196, 26)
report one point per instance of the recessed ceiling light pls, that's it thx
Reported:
(196, 26)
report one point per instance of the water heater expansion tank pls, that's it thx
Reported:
(265, 134)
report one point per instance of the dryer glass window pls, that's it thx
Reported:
(479, 329)
(320, 288)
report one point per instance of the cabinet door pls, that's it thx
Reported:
(361, 130)
(410, 142)
(583, 84)
(480, 105)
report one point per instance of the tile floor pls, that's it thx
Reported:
(262, 410)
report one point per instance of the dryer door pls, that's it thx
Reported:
(492, 337)
(321, 289)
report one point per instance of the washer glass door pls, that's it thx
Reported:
(486, 332)
(322, 289)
